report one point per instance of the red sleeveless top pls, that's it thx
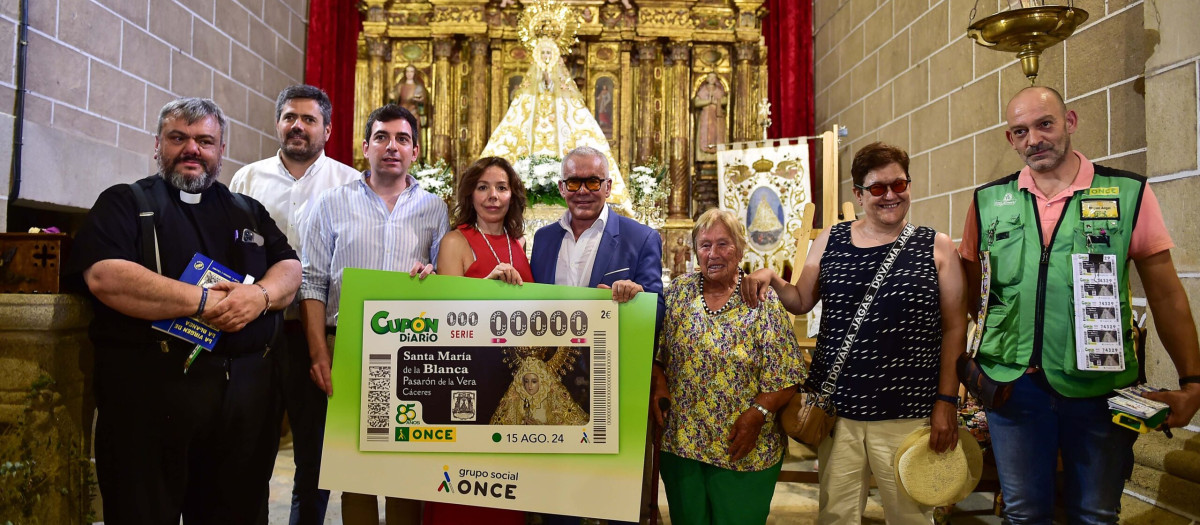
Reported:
(486, 260)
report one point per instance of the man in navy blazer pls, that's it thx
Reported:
(594, 246)
(603, 248)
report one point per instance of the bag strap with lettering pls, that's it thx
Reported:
(860, 314)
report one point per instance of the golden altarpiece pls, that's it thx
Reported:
(657, 75)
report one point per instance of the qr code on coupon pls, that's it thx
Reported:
(377, 421)
(379, 371)
(377, 409)
(377, 396)
(379, 383)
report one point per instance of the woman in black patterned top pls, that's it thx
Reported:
(899, 374)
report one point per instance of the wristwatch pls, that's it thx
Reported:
(766, 413)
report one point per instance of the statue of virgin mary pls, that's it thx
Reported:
(548, 115)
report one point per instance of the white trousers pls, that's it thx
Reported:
(847, 459)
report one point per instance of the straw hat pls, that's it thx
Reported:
(934, 479)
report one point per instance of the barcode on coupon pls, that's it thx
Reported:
(600, 394)
(380, 379)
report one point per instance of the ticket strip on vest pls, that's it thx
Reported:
(489, 376)
(476, 392)
(1098, 342)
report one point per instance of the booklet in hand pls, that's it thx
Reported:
(205, 272)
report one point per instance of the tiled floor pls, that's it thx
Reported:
(794, 503)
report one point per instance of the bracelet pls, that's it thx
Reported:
(766, 413)
(953, 400)
(266, 296)
(1188, 379)
(203, 301)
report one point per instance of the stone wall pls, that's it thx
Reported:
(1173, 148)
(904, 72)
(100, 70)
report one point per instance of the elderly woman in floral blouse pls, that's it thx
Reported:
(727, 368)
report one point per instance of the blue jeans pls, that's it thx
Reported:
(305, 405)
(1033, 428)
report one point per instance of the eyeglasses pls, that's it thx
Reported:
(593, 184)
(879, 188)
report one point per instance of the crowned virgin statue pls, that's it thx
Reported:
(548, 115)
(536, 395)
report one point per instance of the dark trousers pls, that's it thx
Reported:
(200, 445)
(305, 405)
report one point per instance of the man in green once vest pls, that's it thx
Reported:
(1028, 226)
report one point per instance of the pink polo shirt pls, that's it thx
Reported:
(1149, 234)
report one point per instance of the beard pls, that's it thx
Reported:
(1051, 159)
(184, 182)
(311, 148)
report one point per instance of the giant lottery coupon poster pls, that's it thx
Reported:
(480, 393)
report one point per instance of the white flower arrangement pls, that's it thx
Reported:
(648, 192)
(436, 178)
(540, 174)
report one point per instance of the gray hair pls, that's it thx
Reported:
(585, 151)
(192, 109)
(305, 91)
(726, 218)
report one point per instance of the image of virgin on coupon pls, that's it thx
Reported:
(489, 376)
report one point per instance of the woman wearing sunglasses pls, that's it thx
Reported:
(898, 372)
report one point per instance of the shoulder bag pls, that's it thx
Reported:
(809, 416)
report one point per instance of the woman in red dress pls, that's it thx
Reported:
(484, 243)
(488, 224)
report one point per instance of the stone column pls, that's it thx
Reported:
(46, 408)
(648, 103)
(677, 98)
(745, 107)
(477, 123)
(442, 128)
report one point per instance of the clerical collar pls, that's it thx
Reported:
(190, 198)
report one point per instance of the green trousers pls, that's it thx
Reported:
(703, 494)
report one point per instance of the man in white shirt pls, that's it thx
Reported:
(288, 184)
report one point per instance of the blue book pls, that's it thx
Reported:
(204, 272)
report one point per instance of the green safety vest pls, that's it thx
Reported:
(1031, 306)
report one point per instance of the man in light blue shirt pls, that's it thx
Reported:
(382, 221)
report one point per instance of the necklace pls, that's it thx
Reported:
(728, 302)
(493, 250)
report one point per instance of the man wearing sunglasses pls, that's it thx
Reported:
(593, 246)
(1037, 229)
